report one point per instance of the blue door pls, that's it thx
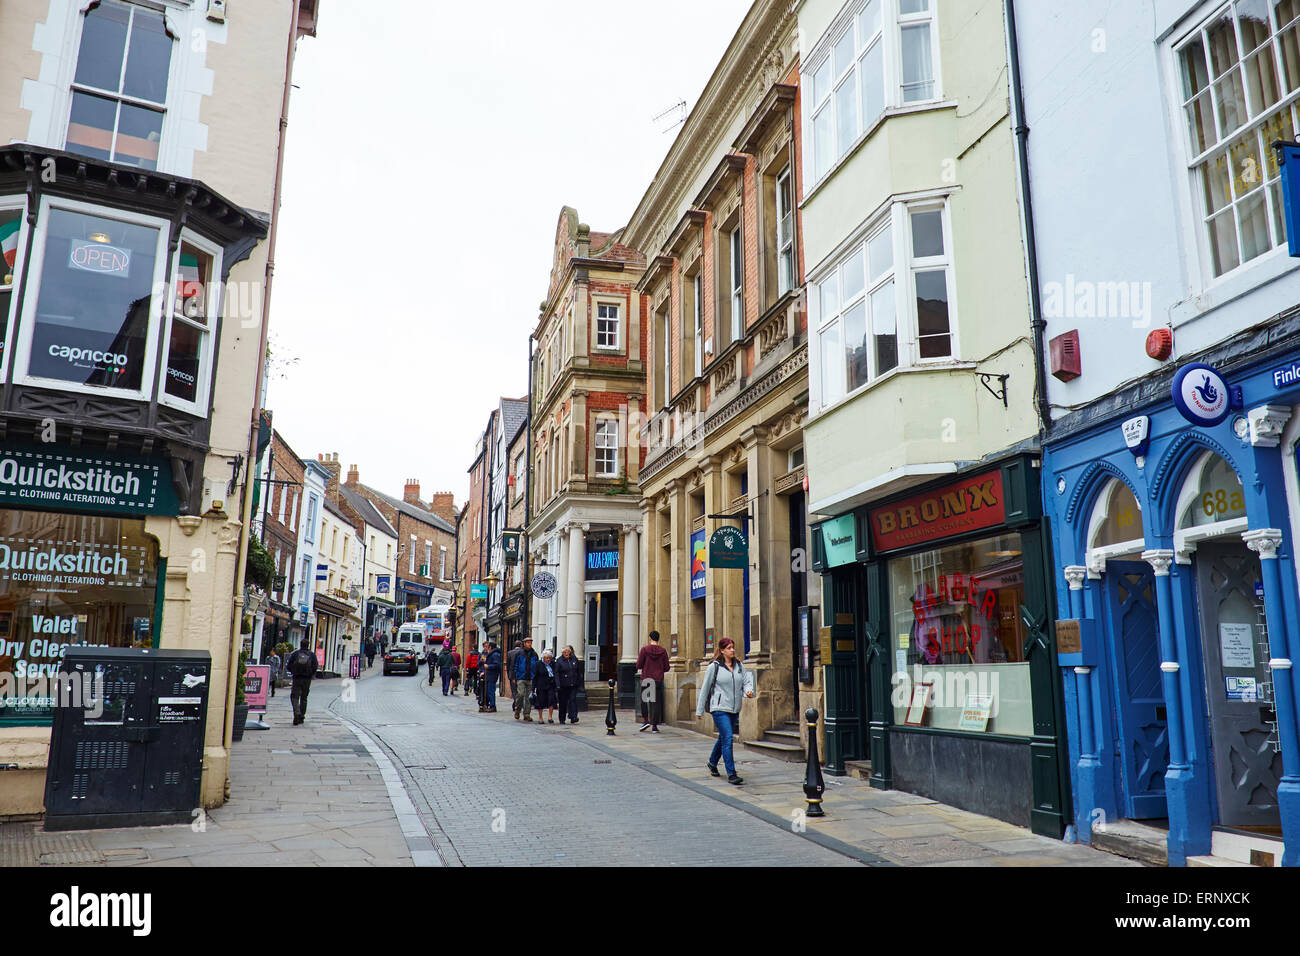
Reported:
(1141, 732)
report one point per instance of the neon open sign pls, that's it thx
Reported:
(100, 258)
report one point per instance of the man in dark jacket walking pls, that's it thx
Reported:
(569, 674)
(521, 676)
(653, 663)
(302, 666)
(431, 658)
(444, 667)
(510, 670)
(492, 666)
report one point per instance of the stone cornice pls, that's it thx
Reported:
(769, 25)
(776, 104)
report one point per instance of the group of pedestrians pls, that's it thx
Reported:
(544, 682)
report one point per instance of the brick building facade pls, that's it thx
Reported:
(588, 377)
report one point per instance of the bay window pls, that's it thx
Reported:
(119, 91)
(885, 303)
(187, 343)
(96, 273)
(1240, 82)
(883, 56)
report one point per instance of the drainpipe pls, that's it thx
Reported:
(246, 507)
(1038, 323)
(528, 503)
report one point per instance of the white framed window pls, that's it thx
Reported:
(666, 354)
(411, 552)
(187, 340)
(607, 448)
(880, 55)
(13, 243)
(885, 302)
(119, 91)
(428, 558)
(89, 314)
(699, 324)
(442, 563)
(1239, 82)
(309, 531)
(737, 284)
(607, 326)
(784, 232)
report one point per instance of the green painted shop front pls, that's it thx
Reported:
(939, 649)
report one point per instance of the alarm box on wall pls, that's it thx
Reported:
(1065, 355)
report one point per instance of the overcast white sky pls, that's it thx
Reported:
(428, 158)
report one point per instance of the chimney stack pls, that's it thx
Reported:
(354, 477)
(411, 494)
(331, 463)
(444, 506)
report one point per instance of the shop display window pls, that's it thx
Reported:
(68, 579)
(956, 624)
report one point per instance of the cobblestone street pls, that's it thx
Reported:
(398, 775)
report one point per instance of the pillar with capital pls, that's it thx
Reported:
(630, 602)
(1265, 542)
(576, 574)
(1089, 794)
(560, 550)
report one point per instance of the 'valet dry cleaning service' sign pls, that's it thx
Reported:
(92, 481)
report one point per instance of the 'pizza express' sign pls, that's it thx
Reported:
(969, 505)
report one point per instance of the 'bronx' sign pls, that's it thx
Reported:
(969, 505)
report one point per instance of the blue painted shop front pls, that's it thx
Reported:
(1176, 543)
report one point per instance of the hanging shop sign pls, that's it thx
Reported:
(699, 563)
(971, 504)
(86, 481)
(1201, 395)
(510, 547)
(381, 584)
(839, 536)
(544, 585)
(478, 592)
(728, 548)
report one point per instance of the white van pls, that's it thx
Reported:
(406, 652)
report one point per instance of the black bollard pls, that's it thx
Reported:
(813, 784)
(611, 721)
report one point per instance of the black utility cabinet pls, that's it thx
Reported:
(140, 761)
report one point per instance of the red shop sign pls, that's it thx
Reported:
(968, 505)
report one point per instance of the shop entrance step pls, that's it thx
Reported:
(1134, 840)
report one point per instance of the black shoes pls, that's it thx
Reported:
(733, 779)
(644, 728)
(713, 770)
(654, 730)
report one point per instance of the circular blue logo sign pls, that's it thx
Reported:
(1200, 394)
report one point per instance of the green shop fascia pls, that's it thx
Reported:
(76, 565)
(939, 649)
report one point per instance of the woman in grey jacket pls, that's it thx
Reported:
(726, 684)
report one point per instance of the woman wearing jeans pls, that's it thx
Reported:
(726, 685)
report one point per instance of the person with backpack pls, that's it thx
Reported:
(569, 675)
(302, 665)
(444, 667)
(472, 673)
(521, 678)
(725, 686)
(492, 677)
(652, 663)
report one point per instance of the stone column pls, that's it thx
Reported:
(1074, 576)
(562, 588)
(631, 604)
(713, 603)
(676, 519)
(763, 564)
(574, 606)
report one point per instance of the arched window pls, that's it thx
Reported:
(1212, 503)
(1115, 530)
